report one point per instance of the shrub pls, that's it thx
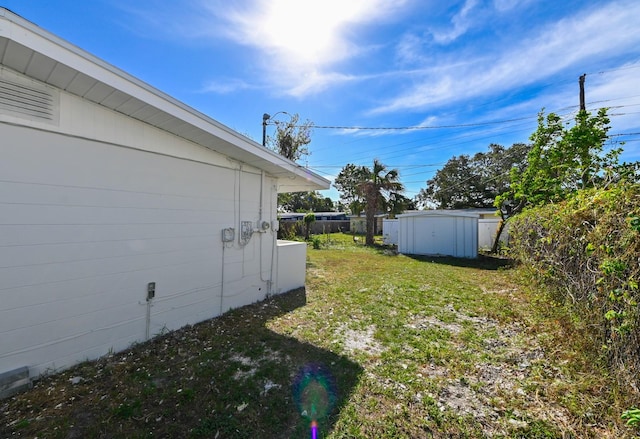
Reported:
(584, 252)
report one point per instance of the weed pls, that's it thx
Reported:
(126, 411)
(632, 416)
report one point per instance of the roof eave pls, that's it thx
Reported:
(23, 36)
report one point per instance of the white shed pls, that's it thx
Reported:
(124, 211)
(390, 231)
(438, 232)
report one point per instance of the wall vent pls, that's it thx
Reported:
(14, 381)
(29, 100)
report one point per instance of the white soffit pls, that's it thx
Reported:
(34, 52)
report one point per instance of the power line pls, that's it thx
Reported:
(635, 66)
(472, 137)
(419, 127)
(463, 125)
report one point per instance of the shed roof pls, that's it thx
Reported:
(36, 53)
(439, 213)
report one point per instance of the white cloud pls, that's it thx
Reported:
(620, 91)
(227, 87)
(298, 42)
(461, 22)
(570, 42)
(315, 81)
(508, 5)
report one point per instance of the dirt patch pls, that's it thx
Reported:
(360, 340)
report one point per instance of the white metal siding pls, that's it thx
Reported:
(445, 235)
(390, 231)
(487, 229)
(86, 225)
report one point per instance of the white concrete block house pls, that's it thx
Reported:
(123, 212)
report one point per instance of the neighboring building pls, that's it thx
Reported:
(124, 212)
(320, 216)
(438, 233)
(359, 223)
(326, 222)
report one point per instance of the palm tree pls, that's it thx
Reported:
(377, 184)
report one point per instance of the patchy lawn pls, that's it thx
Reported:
(378, 346)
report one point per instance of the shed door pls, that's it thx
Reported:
(434, 236)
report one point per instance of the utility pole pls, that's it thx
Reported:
(583, 107)
(265, 118)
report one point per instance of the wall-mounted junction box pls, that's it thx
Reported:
(151, 290)
(228, 234)
(246, 230)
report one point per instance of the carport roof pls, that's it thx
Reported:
(36, 53)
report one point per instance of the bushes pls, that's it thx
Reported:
(585, 252)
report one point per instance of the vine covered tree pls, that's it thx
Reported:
(291, 138)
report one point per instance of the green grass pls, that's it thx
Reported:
(407, 347)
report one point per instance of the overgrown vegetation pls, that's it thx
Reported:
(411, 348)
(584, 251)
(576, 229)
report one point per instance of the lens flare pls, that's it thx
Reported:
(314, 392)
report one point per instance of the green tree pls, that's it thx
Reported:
(305, 202)
(372, 189)
(308, 219)
(347, 183)
(398, 203)
(561, 161)
(377, 185)
(473, 182)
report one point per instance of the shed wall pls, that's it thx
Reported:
(438, 235)
(487, 229)
(390, 231)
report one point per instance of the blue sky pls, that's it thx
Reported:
(469, 72)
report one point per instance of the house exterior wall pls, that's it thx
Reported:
(97, 205)
(443, 235)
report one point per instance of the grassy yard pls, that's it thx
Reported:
(379, 345)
